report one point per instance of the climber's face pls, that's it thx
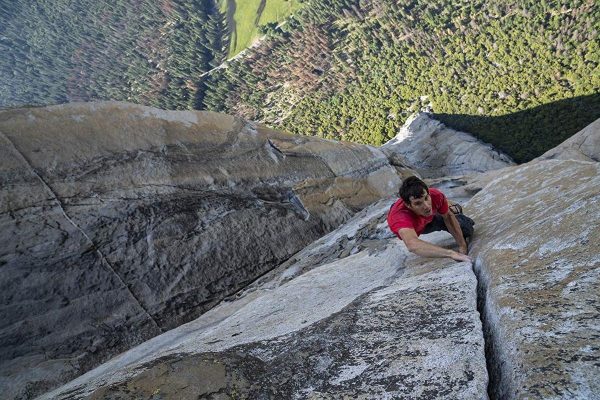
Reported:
(421, 205)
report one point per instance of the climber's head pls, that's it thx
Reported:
(415, 194)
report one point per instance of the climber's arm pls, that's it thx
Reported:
(425, 249)
(454, 229)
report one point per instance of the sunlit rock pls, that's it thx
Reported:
(352, 315)
(435, 150)
(536, 241)
(583, 146)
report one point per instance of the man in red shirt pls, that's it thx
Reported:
(424, 210)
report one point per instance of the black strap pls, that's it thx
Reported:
(456, 209)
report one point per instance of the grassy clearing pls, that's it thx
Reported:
(278, 10)
(247, 19)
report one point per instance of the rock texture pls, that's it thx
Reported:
(537, 240)
(436, 151)
(583, 146)
(119, 222)
(355, 316)
(351, 316)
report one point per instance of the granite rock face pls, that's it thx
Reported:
(435, 150)
(583, 146)
(119, 222)
(353, 315)
(536, 241)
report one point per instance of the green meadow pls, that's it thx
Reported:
(244, 18)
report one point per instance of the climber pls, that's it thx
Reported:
(424, 210)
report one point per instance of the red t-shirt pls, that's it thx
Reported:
(400, 216)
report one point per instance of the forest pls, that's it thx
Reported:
(142, 51)
(523, 75)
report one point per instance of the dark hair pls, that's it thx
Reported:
(412, 187)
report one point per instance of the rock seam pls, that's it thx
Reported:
(499, 385)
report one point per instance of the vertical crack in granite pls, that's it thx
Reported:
(276, 149)
(498, 384)
(64, 213)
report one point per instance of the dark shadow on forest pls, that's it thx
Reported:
(527, 134)
(261, 8)
(231, 7)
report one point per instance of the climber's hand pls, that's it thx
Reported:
(456, 256)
